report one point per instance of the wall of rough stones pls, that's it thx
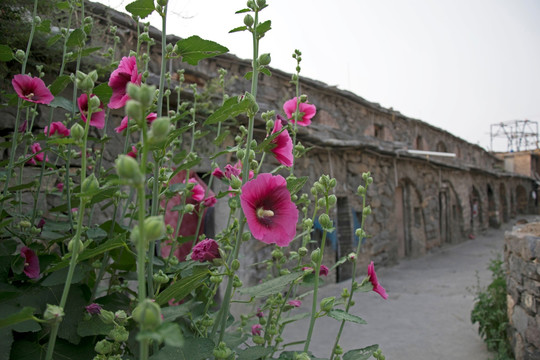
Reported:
(419, 202)
(522, 251)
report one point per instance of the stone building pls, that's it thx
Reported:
(445, 192)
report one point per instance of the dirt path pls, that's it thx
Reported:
(427, 315)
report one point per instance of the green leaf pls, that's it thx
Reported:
(193, 49)
(341, 315)
(232, 107)
(272, 286)
(6, 54)
(63, 103)
(254, 352)
(53, 39)
(181, 288)
(93, 327)
(185, 166)
(193, 349)
(22, 186)
(104, 92)
(296, 184)
(361, 354)
(219, 140)
(96, 233)
(45, 26)
(88, 51)
(243, 11)
(229, 149)
(76, 38)
(339, 262)
(27, 313)
(171, 334)
(262, 28)
(59, 277)
(64, 5)
(237, 29)
(265, 71)
(248, 75)
(294, 318)
(60, 84)
(141, 8)
(90, 253)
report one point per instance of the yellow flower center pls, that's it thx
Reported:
(30, 96)
(262, 213)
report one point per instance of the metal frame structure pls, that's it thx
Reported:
(521, 134)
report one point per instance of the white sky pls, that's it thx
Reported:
(460, 65)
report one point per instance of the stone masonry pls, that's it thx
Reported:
(522, 251)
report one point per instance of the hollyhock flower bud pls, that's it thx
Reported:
(189, 208)
(53, 313)
(120, 316)
(104, 347)
(316, 255)
(323, 271)
(235, 182)
(161, 278)
(119, 334)
(302, 251)
(154, 228)
(256, 329)
(248, 21)
(235, 265)
(146, 94)
(327, 303)
(147, 314)
(106, 316)
(295, 303)
(259, 340)
(325, 221)
(332, 200)
(90, 185)
(94, 103)
(222, 352)
(302, 356)
(160, 129)
(75, 243)
(264, 59)
(19, 55)
(127, 168)
(366, 211)
(210, 201)
(206, 250)
(93, 309)
(351, 257)
(77, 132)
(360, 233)
(134, 110)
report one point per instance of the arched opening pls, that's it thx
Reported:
(493, 214)
(504, 203)
(521, 200)
(441, 147)
(476, 210)
(450, 215)
(419, 143)
(409, 216)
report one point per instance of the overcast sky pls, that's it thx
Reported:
(460, 65)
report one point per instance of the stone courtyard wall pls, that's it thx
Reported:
(522, 251)
(419, 202)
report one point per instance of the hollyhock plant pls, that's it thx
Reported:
(269, 211)
(323, 271)
(197, 193)
(32, 89)
(98, 117)
(125, 122)
(124, 74)
(31, 263)
(373, 279)
(283, 150)
(210, 201)
(218, 173)
(56, 127)
(307, 111)
(206, 250)
(295, 303)
(133, 152)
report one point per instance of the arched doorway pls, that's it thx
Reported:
(521, 200)
(493, 214)
(504, 203)
(476, 211)
(450, 215)
(409, 216)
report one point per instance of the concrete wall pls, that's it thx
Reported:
(522, 251)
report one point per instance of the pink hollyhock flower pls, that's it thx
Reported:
(36, 149)
(231, 170)
(197, 193)
(269, 211)
(32, 89)
(93, 309)
(31, 263)
(41, 223)
(323, 271)
(295, 303)
(373, 279)
(210, 201)
(60, 186)
(98, 117)
(283, 150)
(125, 122)
(218, 173)
(56, 127)
(260, 313)
(307, 111)
(206, 250)
(133, 152)
(22, 127)
(256, 329)
(124, 74)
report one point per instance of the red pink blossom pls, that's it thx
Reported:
(206, 250)
(256, 330)
(373, 279)
(269, 211)
(31, 263)
(124, 123)
(98, 117)
(283, 149)
(56, 127)
(40, 156)
(32, 89)
(124, 74)
(307, 111)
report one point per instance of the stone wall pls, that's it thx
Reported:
(522, 251)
